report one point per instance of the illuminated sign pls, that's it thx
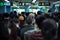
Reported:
(23, 0)
(24, 3)
(21, 4)
(47, 3)
(44, 4)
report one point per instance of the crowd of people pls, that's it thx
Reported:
(30, 26)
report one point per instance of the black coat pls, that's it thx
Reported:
(4, 35)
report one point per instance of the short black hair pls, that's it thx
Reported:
(27, 14)
(39, 13)
(29, 20)
(39, 20)
(15, 12)
(23, 13)
(5, 15)
(49, 28)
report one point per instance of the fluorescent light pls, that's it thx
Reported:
(6, 0)
(33, 1)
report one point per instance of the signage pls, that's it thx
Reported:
(44, 4)
(24, 3)
(21, 4)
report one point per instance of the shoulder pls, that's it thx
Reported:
(32, 31)
(36, 35)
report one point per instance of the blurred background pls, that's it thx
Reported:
(29, 19)
(28, 5)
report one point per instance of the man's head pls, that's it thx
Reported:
(6, 16)
(49, 28)
(39, 20)
(6, 19)
(39, 13)
(29, 20)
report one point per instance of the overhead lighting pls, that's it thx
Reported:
(33, 1)
(6, 0)
(29, 6)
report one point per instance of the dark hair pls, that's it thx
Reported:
(39, 13)
(23, 13)
(39, 20)
(15, 12)
(49, 28)
(27, 14)
(5, 15)
(49, 10)
(29, 20)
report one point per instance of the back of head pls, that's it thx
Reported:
(15, 12)
(49, 28)
(27, 14)
(49, 23)
(39, 13)
(23, 13)
(5, 16)
(49, 11)
(29, 20)
(11, 14)
(39, 20)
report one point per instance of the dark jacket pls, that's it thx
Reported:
(33, 35)
(23, 30)
(4, 35)
(13, 34)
